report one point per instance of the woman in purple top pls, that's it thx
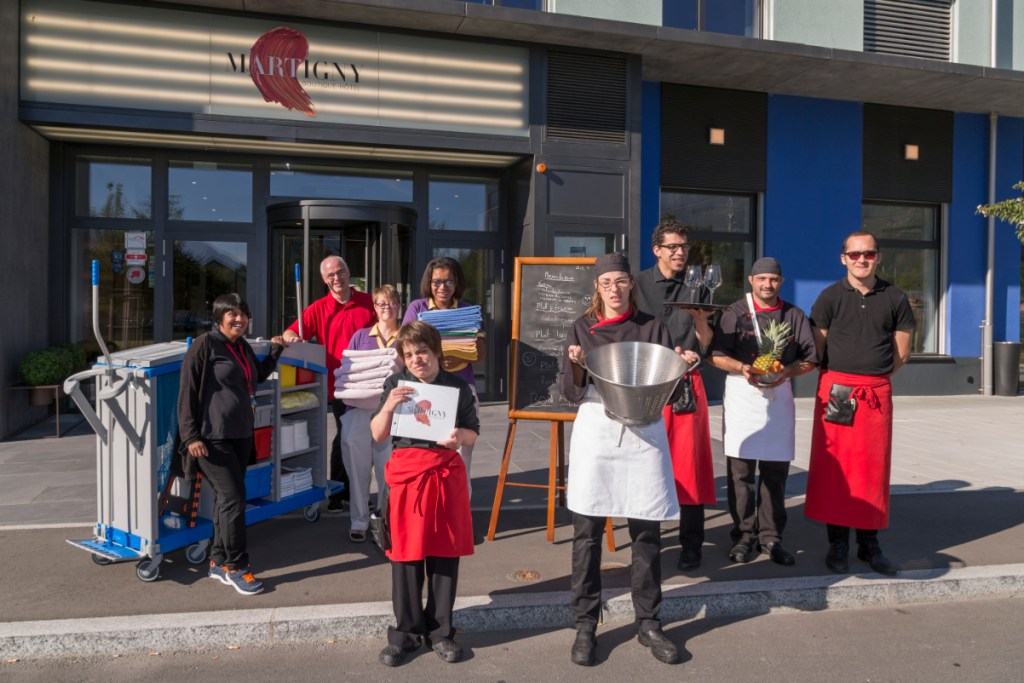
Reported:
(364, 457)
(441, 288)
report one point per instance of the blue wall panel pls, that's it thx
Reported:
(1009, 171)
(650, 170)
(965, 253)
(814, 190)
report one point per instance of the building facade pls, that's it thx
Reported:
(205, 146)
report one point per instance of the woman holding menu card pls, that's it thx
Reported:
(428, 507)
(610, 476)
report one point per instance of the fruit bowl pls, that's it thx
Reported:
(769, 378)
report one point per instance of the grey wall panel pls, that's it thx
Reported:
(25, 273)
(585, 193)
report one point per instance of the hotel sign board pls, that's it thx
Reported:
(127, 56)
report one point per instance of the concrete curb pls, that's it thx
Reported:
(207, 630)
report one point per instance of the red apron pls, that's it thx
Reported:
(848, 478)
(429, 504)
(689, 443)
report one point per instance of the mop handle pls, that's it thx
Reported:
(298, 298)
(96, 314)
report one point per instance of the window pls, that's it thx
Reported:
(908, 237)
(113, 187)
(202, 272)
(209, 191)
(327, 182)
(721, 231)
(735, 17)
(463, 203)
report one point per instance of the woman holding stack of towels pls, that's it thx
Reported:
(369, 360)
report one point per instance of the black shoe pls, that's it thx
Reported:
(740, 552)
(872, 554)
(689, 559)
(584, 648)
(663, 649)
(838, 557)
(448, 650)
(336, 504)
(393, 655)
(778, 554)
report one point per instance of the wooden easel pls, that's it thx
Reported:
(556, 452)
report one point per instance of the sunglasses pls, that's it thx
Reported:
(855, 255)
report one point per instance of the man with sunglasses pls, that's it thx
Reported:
(689, 431)
(862, 326)
(332, 320)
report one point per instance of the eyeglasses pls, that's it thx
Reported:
(855, 255)
(336, 274)
(386, 304)
(678, 246)
(607, 285)
(438, 284)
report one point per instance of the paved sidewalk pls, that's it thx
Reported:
(961, 537)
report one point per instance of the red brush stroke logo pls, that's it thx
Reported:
(273, 58)
(421, 414)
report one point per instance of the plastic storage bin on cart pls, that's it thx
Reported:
(136, 422)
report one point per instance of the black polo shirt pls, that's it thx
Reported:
(653, 290)
(466, 416)
(735, 337)
(861, 326)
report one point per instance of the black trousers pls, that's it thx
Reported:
(224, 468)
(842, 533)
(645, 571)
(758, 512)
(441, 574)
(337, 466)
(691, 527)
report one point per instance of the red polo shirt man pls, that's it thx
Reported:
(332, 320)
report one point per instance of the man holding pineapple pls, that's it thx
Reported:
(762, 342)
(862, 326)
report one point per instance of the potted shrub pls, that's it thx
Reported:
(48, 367)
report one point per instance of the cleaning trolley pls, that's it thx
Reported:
(143, 510)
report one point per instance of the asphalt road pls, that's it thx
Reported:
(963, 641)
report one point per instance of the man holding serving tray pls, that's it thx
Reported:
(762, 342)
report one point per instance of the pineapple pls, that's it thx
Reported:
(774, 339)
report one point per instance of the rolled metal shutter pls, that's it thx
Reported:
(586, 97)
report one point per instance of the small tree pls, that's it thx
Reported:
(1009, 210)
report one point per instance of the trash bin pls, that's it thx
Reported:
(1005, 368)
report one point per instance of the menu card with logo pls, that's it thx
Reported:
(429, 415)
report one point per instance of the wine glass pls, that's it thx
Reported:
(693, 280)
(713, 280)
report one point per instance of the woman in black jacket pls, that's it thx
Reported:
(215, 420)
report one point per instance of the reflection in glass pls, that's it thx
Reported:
(202, 272)
(734, 259)
(907, 237)
(702, 212)
(463, 203)
(209, 191)
(330, 182)
(125, 309)
(478, 267)
(579, 245)
(113, 187)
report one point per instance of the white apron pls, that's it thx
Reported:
(758, 424)
(630, 480)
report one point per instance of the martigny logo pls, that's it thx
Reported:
(279, 60)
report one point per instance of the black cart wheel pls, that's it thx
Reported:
(101, 561)
(311, 512)
(196, 553)
(148, 570)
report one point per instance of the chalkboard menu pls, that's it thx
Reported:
(549, 294)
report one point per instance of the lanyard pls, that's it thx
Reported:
(246, 368)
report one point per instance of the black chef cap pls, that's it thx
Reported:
(766, 266)
(610, 263)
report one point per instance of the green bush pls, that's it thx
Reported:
(51, 365)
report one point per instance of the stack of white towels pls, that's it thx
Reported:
(359, 382)
(295, 480)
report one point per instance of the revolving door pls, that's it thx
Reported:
(374, 238)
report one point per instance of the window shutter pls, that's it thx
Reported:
(911, 28)
(586, 98)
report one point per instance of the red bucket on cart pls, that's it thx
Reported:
(263, 437)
